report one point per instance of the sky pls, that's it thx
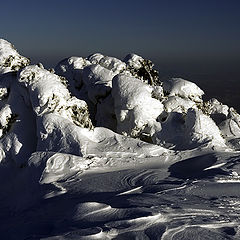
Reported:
(189, 36)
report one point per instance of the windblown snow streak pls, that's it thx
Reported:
(102, 148)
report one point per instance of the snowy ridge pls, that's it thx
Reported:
(97, 127)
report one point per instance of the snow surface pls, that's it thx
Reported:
(102, 148)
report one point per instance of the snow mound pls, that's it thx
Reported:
(230, 127)
(142, 68)
(57, 134)
(189, 130)
(125, 98)
(183, 88)
(71, 69)
(10, 59)
(98, 82)
(178, 104)
(48, 94)
(132, 99)
(101, 148)
(202, 128)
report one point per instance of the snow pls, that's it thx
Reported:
(104, 148)
(230, 127)
(178, 104)
(183, 88)
(201, 127)
(98, 82)
(142, 68)
(71, 69)
(133, 60)
(10, 59)
(132, 99)
(49, 94)
(113, 64)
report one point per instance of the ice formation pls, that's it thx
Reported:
(101, 113)
(127, 97)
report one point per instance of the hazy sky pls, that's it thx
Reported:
(192, 36)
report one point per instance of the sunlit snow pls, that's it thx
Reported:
(103, 148)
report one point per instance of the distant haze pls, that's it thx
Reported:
(190, 38)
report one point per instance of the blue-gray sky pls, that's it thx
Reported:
(195, 36)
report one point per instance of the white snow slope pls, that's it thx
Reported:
(101, 148)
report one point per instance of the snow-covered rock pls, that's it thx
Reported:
(201, 128)
(215, 107)
(172, 134)
(95, 58)
(18, 127)
(216, 110)
(113, 64)
(3, 93)
(183, 88)
(122, 96)
(110, 63)
(71, 69)
(158, 93)
(5, 116)
(10, 59)
(98, 82)
(48, 94)
(230, 127)
(133, 61)
(136, 111)
(142, 69)
(178, 104)
(189, 130)
(57, 134)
